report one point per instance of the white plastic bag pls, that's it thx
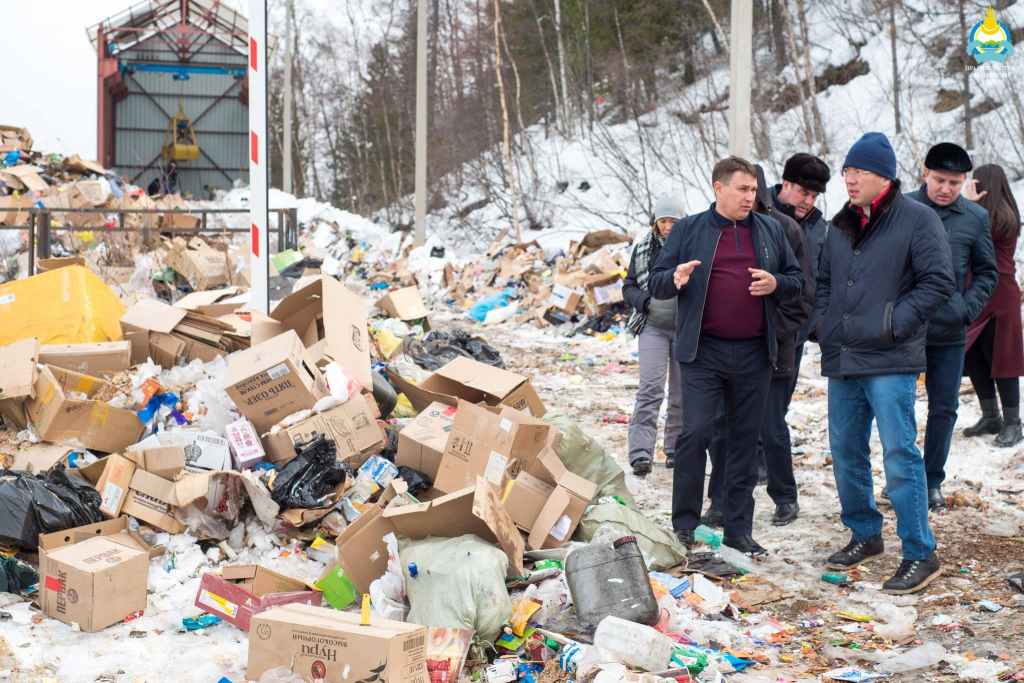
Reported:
(899, 621)
(387, 593)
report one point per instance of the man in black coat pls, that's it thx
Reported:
(774, 445)
(885, 270)
(967, 227)
(727, 268)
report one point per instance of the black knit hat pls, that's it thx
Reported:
(808, 171)
(946, 156)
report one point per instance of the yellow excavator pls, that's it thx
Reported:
(180, 139)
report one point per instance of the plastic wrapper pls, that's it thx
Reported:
(584, 456)
(342, 383)
(436, 349)
(468, 594)
(281, 674)
(141, 280)
(41, 504)
(899, 621)
(311, 474)
(927, 655)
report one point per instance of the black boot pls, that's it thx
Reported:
(857, 553)
(912, 576)
(990, 422)
(642, 467)
(746, 545)
(713, 517)
(936, 501)
(1010, 434)
(685, 537)
(785, 513)
(670, 461)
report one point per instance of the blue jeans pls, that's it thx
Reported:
(889, 399)
(942, 379)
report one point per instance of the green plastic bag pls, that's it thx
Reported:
(661, 549)
(585, 457)
(459, 583)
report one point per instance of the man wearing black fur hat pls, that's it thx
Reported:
(967, 226)
(804, 177)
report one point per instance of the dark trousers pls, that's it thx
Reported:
(978, 366)
(774, 448)
(945, 366)
(739, 373)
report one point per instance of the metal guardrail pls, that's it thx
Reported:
(40, 230)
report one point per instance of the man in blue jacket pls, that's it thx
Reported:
(885, 270)
(967, 225)
(726, 267)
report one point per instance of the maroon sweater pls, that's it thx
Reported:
(730, 310)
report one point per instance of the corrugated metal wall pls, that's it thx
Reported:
(141, 121)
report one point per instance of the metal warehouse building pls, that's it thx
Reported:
(157, 56)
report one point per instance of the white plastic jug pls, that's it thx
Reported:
(633, 644)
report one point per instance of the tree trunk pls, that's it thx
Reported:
(590, 69)
(812, 87)
(895, 65)
(504, 118)
(433, 48)
(968, 134)
(795, 61)
(547, 60)
(778, 35)
(561, 65)
(718, 28)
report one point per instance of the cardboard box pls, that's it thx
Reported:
(111, 477)
(565, 299)
(39, 457)
(326, 645)
(404, 304)
(495, 445)
(242, 591)
(274, 379)
(200, 264)
(45, 264)
(152, 499)
(203, 452)
(548, 503)
(163, 461)
(421, 442)
(18, 376)
(14, 137)
(329, 319)
(363, 555)
(353, 427)
(473, 381)
(95, 424)
(244, 442)
(169, 335)
(211, 303)
(94, 576)
(100, 359)
(593, 241)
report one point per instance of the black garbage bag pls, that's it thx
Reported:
(390, 449)
(437, 348)
(33, 504)
(602, 323)
(15, 575)
(314, 471)
(416, 481)
(295, 269)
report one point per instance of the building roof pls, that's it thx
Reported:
(187, 26)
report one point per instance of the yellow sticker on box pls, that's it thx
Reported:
(218, 603)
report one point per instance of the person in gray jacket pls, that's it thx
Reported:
(654, 323)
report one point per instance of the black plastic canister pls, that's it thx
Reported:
(611, 580)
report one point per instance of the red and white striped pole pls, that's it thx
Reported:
(258, 160)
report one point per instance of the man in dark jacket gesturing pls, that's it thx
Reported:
(726, 267)
(967, 225)
(885, 270)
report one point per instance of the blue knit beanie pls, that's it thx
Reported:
(873, 153)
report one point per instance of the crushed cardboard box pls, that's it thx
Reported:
(96, 425)
(242, 591)
(273, 379)
(477, 510)
(495, 444)
(99, 359)
(197, 262)
(470, 380)
(352, 426)
(169, 335)
(18, 375)
(422, 441)
(331, 322)
(404, 304)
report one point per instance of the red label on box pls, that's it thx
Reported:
(52, 583)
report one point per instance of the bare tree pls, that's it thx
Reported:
(895, 65)
(968, 134)
(504, 118)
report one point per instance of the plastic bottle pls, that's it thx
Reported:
(634, 645)
(611, 580)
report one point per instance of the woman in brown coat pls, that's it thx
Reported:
(995, 342)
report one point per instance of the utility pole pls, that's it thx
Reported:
(740, 58)
(289, 6)
(421, 123)
(259, 242)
